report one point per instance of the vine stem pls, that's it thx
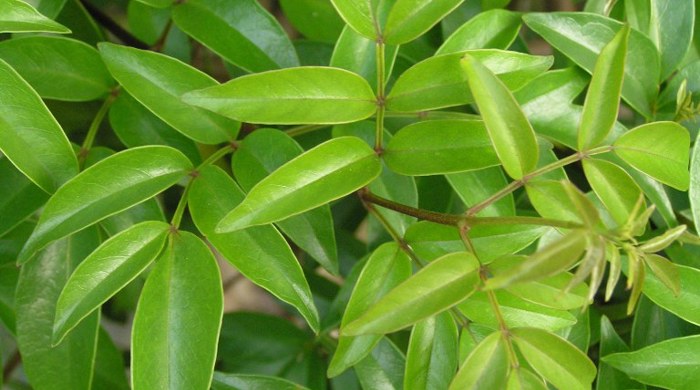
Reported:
(380, 52)
(95, 125)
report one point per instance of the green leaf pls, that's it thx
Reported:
(475, 186)
(26, 124)
(49, 8)
(582, 36)
(19, 199)
(105, 271)
(58, 68)
(68, 366)
(493, 29)
(303, 95)
(16, 16)
(486, 367)
(669, 364)
(314, 19)
(126, 178)
(440, 285)
(610, 342)
(553, 259)
(409, 19)
(157, 81)
(260, 253)
(325, 173)
(553, 200)
(360, 15)
(386, 268)
(559, 362)
(523, 379)
(178, 318)
(694, 190)
(242, 32)
(603, 96)
(110, 372)
(686, 304)
(227, 381)
(157, 3)
(383, 368)
(660, 150)
(260, 154)
(440, 146)
(511, 133)
(440, 81)
(431, 359)
(615, 188)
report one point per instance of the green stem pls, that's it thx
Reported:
(95, 126)
(180, 210)
(423, 115)
(299, 130)
(378, 143)
(214, 157)
(518, 220)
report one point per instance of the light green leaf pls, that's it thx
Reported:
(493, 29)
(615, 188)
(431, 359)
(105, 271)
(582, 36)
(260, 253)
(409, 19)
(49, 8)
(665, 271)
(26, 124)
(440, 285)
(663, 241)
(157, 81)
(559, 362)
(673, 364)
(68, 366)
(694, 190)
(360, 15)
(440, 146)
(241, 31)
(303, 95)
(227, 381)
(125, 179)
(660, 150)
(603, 97)
(386, 268)
(325, 173)
(524, 379)
(439, 81)
(178, 319)
(686, 304)
(551, 199)
(314, 19)
(511, 133)
(486, 367)
(475, 186)
(19, 199)
(16, 16)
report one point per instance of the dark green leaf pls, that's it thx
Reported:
(608, 377)
(16, 16)
(475, 186)
(225, 381)
(409, 19)
(486, 367)
(19, 198)
(431, 359)
(157, 3)
(383, 368)
(110, 372)
(315, 19)
(694, 190)
(493, 29)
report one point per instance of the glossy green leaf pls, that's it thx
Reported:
(440, 285)
(360, 15)
(440, 81)
(659, 149)
(603, 97)
(260, 154)
(315, 19)
(409, 19)
(260, 253)
(582, 36)
(19, 199)
(126, 178)
(58, 68)
(615, 188)
(157, 81)
(178, 318)
(669, 364)
(49, 8)
(68, 366)
(26, 124)
(559, 362)
(553, 259)
(327, 172)
(486, 367)
(552, 200)
(512, 135)
(303, 95)
(475, 186)
(227, 381)
(242, 32)
(440, 146)
(524, 379)
(17, 16)
(431, 359)
(610, 342)
(149, 210)
(383, 368)
(105, 271)
(493, 29)
(386, 268)
(686, 304)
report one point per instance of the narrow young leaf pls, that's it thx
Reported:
(512, 135)
(431, 359)
(492, 29)
(16, 16)
(486, 367)
(303, 95)
(603, 97)
(669, 364)
(558, 361)
(442, 284)
(260, 253)
(105, 271)
(615, 188)
(660, 150)
(661, 242)
(178, 319)
(26, 124)
(327, 172)
(242, 32)
(409, 19)
(158, 81)
(126, 178)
